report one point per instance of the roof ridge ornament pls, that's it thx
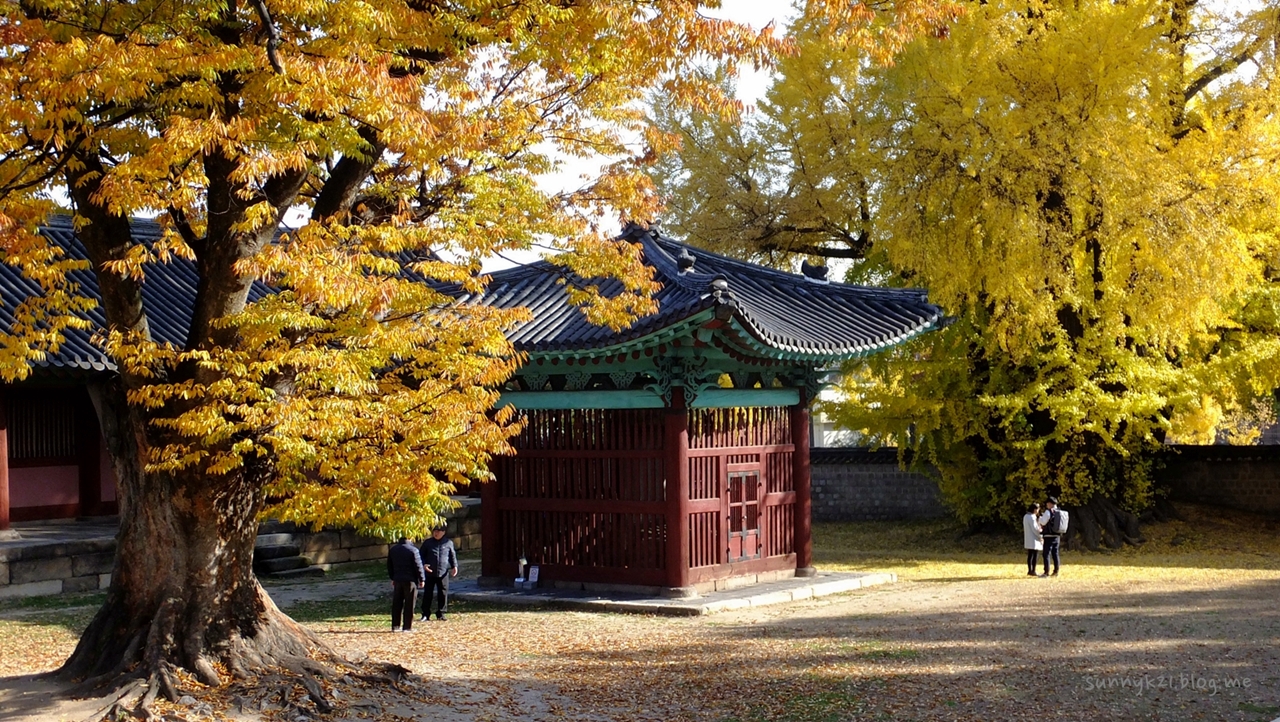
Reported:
(685, 260)
(813, 272)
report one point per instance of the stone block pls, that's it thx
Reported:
(352, 540)
(764, 600)
(322, 541)
(104, 581)
(87, 564)
(39, 570)
(467, 543)
(80, 584)
(32, 589)
(360, 554)
(44, 551)
(329, 556)
(4, 573)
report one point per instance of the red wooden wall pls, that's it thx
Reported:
(586, 496)
(55, 461)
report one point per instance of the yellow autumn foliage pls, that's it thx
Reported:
(352, 156)
(1088, 189)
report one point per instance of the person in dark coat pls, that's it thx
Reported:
(442, 562)
(404, 566)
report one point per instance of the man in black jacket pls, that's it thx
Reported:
(404, 566)
(442, 562)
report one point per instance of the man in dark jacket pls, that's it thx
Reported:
(404, 566)
(442, 562)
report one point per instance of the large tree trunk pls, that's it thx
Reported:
(1100, 522)
(183, 593)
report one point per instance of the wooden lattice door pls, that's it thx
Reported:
(744, 516)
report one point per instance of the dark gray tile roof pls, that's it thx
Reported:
(780, 310)
(783, 311)
(168, 295)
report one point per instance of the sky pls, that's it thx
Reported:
(751, 87)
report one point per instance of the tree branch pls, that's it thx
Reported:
(273, 36)
(339, 191)
(1224, 67)
(810, 249)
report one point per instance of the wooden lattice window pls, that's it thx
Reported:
(42, 426)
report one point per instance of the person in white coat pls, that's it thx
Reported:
(1031, 538)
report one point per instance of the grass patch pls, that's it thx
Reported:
(1209, 544)
(833, 704)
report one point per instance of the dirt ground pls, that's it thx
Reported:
(963, 639)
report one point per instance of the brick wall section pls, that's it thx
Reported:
(1237, 477)
(865, 485)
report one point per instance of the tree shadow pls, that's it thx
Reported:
(1072, 655)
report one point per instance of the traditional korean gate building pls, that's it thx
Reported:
(674, 455)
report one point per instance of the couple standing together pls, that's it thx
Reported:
(411, 569)
(1042, 532)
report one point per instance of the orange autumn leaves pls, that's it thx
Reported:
(344, 153)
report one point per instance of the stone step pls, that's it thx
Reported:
(277, 527)
(273, 540)
(302, 573)
(263, 552)
(283, 564)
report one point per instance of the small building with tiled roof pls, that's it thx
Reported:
(673, 455)
(670, 455)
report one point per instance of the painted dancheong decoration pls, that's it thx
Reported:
(673, 454)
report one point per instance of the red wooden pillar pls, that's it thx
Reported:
(800, 476)
(676, 460)
(490, 544)
(4, 463)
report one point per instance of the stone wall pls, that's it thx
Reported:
(1237, 477)
(72, 566)
(67, 557)
(851, 484)
(331, 546)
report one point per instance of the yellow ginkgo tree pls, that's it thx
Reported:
(1089, 189)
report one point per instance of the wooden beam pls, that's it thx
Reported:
(801, 480)
(676, 446)
(4, 461)
(490, 542)
(581, 400)
(734, 398)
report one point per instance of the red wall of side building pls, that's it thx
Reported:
(57, 463)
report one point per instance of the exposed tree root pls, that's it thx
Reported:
(1102, 522)
(180, 648)
(301, 688)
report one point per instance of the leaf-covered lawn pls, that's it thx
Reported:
(1166, 632)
